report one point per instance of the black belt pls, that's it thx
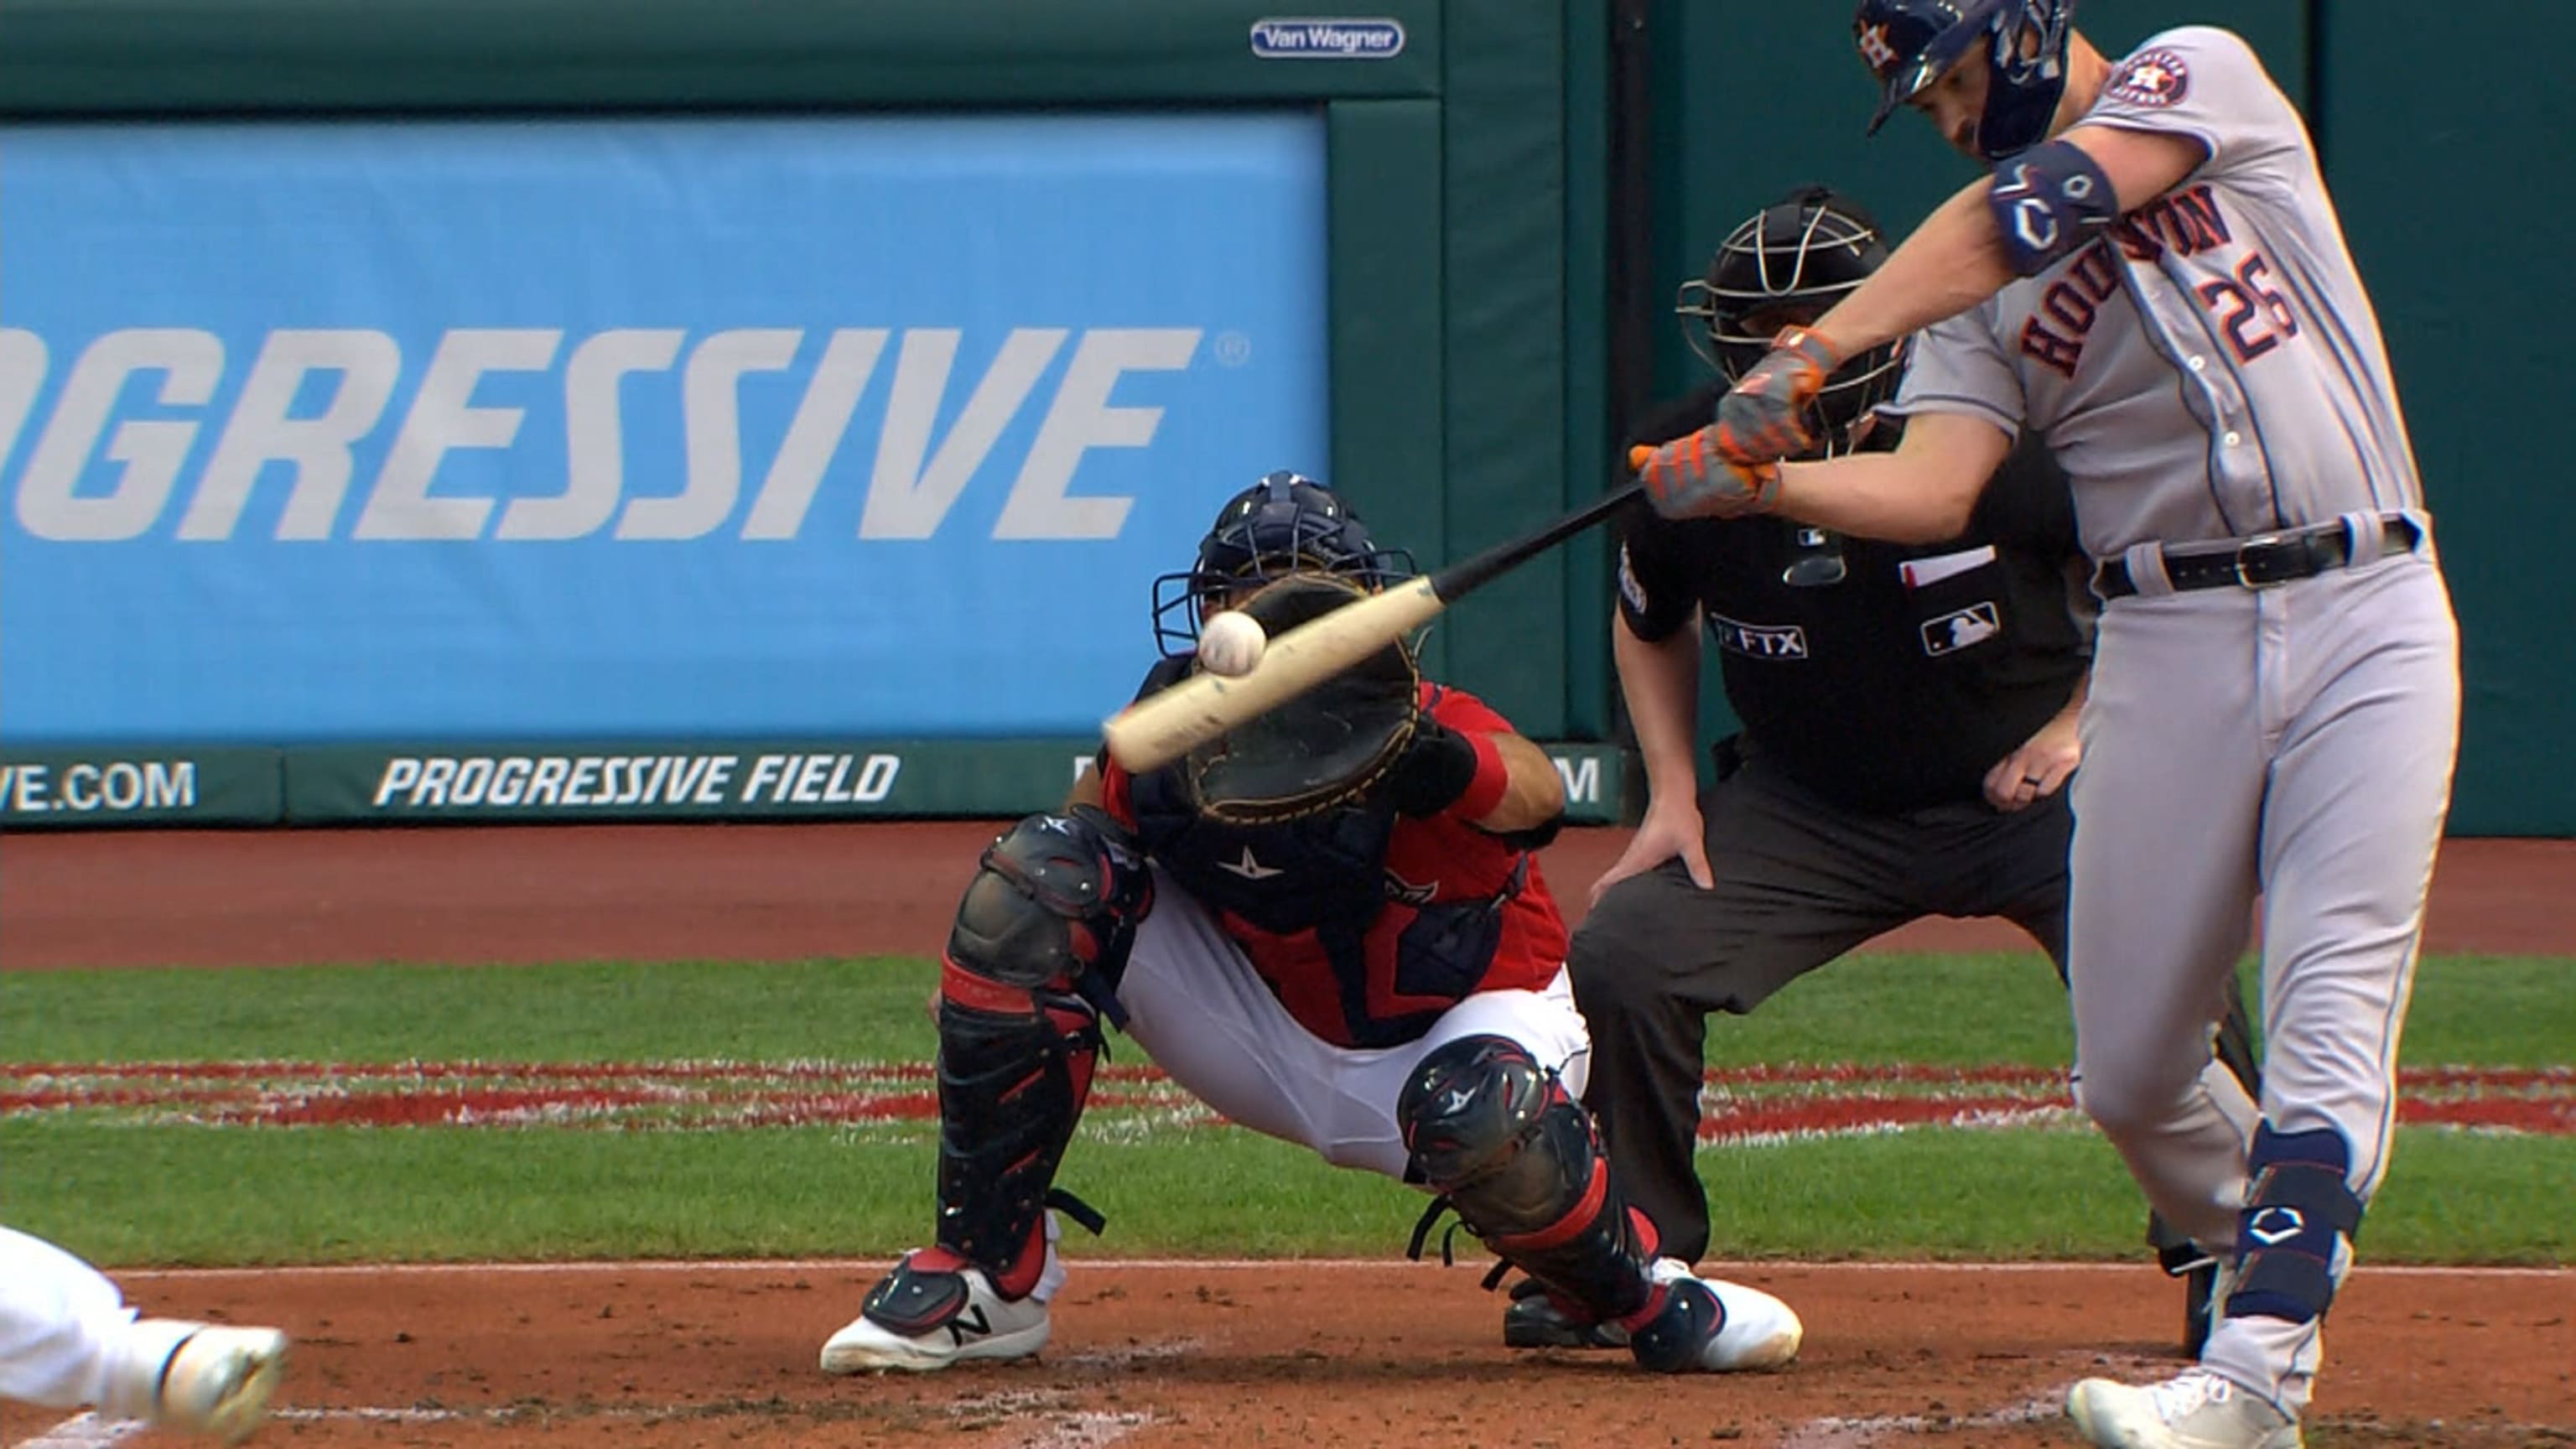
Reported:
(2257, 562)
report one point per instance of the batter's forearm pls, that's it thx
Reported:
(1874, 495)
(1659, 679)
(1533, 792)
(1951, 263)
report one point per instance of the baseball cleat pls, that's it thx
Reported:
(2197, 1410)
(217, 1382)
(934, 1310)
(1535, 1320)
(1712, 1326)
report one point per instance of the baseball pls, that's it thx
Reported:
(1230, 644)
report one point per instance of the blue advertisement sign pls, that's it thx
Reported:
(847, 425)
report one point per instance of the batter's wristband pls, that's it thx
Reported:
(1492, 778)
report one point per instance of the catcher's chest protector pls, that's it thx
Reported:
(1285, 879)
(1319, 887)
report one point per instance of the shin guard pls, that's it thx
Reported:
(1497, 1136)
(1012, 1084)
(2299, 1209)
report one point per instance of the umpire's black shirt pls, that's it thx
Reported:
(1878, 693)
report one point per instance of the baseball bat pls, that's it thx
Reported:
(1162, 727)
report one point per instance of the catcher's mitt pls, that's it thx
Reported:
(1327, 747)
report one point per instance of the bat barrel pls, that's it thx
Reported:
(1161, 728)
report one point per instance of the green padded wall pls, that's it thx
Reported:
(2452, 193)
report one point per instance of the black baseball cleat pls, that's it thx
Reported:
(1534, 1320)
(2183, 1259)
(2199, 1308)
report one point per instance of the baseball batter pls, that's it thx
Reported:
(1381, 980)
(2154, 277)
(68, 1339)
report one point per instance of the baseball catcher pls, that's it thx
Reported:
(1328, 925)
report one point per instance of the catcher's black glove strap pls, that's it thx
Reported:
(1434, 772)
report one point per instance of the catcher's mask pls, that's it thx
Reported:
(1789, 264)
(1286, 523)
(1909, 44)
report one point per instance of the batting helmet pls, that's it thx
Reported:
(1909, 44)
(1791, 262)
(1284, 524)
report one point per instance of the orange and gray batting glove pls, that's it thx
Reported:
(1688, 478)
(1763, 417)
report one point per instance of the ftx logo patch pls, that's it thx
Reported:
(1758, 641)
(1961, 629)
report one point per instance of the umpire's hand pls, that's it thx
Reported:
(1672, 829)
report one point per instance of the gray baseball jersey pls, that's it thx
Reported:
(2209, 367)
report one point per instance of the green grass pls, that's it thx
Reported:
(165, 1195)
(133, 1195)
(867, 1009)
(2468, 1010)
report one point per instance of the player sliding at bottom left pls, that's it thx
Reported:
(1381, 981)
(68, 1340)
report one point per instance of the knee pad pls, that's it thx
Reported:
(1496, 1135)
(2296, 1209)
(1055, 899)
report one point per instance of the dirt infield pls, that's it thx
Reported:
(758, 892)
(1356, 1356)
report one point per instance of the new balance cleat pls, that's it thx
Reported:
(934, 1310)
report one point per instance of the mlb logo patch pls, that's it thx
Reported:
(1961, 629)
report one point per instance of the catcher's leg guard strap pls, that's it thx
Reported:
(1495, 1133)
(2299, 1205)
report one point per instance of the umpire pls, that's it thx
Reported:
(1909, 728)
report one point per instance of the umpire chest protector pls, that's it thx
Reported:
(1323, 879)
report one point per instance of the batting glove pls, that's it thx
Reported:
(1764, 416)
(1690, 478)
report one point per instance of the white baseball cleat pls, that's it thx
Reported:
(934, 1310)
(218, 1381)
(2196, 1410)
(1713, 1326)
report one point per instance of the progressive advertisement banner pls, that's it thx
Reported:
(851, 426)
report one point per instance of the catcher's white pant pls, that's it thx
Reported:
(1197, 1007)
(67, 1337)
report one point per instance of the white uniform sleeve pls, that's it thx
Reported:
(1957, 366)
(2206, 83)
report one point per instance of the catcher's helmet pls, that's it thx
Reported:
(1909, 44)
(1286, 523)
(1806, 252)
